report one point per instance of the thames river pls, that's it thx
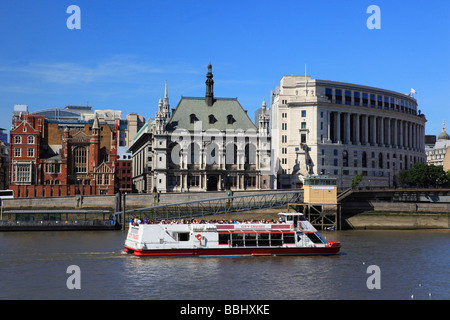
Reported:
(411, 265)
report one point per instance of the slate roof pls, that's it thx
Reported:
(222, 107)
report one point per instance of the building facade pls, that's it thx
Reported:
(50, 158)
(4, 160)
(437, 153)
(205, 144)
(341, 129)
(127, 127)
(123, 178)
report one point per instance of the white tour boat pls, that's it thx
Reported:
(293, 235)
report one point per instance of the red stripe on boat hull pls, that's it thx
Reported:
(235, 251)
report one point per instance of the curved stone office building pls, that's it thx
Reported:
(342, 129)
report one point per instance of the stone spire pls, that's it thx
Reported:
(264, 119)
(209, 96)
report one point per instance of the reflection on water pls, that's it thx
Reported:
(34, 264)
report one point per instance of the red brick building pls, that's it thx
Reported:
(51, 158)
(123, 171)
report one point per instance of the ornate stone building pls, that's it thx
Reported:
(438, 154)
(341, 129)
(205, 144)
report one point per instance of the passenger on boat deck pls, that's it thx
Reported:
(137, 221)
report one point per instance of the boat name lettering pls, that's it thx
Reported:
(253, 226)
(133, 236)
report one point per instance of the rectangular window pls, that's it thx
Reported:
(348, 97)
(338, 96)
(329, 93)
(380, 102)
(303, 138)
(182, 236)
(356, 98)
(263, 239)
(17, 152)
(289, 238)
(303, 125)
(372, 101)
(224, 238)
(22, 173)
(303, 113)
(30, 152)
(365, 98)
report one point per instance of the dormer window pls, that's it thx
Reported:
(230, 119)
(212, 119)
(193, 118)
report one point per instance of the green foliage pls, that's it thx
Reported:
(424, 176)
(356, 180)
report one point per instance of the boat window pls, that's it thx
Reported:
(250, 239)
(275, 239)
(263, 239)
(224, 238)
(182, 236)
(321, 237)
(237, 239)
(289, 237)
(314, 238)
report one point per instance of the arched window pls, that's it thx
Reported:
(193, 118)
(194, 151)
(212, 119)
(250, 154)
(30, 139)
(17, 139)
(174, 153)
(212, 153)
(231, 154)
(230, 119)
(80, 160)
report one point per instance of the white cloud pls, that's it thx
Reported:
(119, 68)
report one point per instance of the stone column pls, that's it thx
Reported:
(366, 129)
(357, 142)
(338, 127)
(395, 135)
(347, 138)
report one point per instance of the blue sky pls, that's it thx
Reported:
(126, 50)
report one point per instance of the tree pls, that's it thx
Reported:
(423, 175)
(356, 180)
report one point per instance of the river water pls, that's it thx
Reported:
(412, 265)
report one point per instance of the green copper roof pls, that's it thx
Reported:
(221, 109)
